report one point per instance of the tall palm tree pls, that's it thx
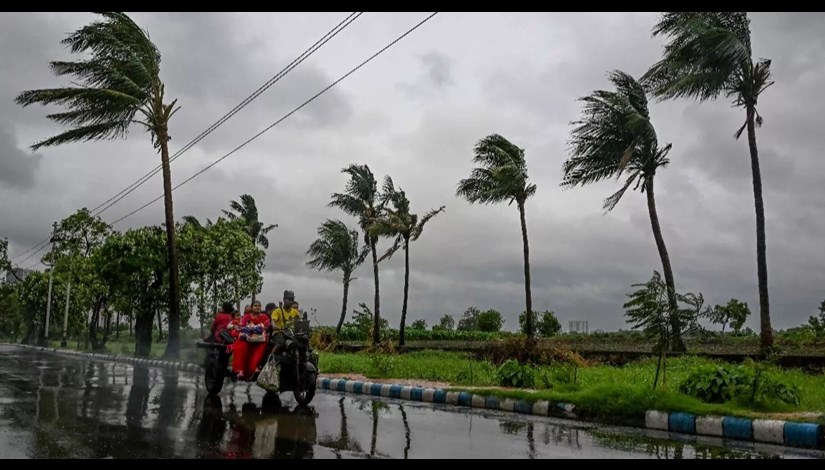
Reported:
(709, 54)
(361, 199)
(502, 176)
(119, 81)
(337, 248)
(615, 137)
(398, 222)
(247, 211)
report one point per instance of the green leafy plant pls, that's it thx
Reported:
(513, 374)
(719, 384)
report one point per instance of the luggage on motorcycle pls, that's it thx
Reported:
(269, 378)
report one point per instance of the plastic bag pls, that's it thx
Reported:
(269, 378)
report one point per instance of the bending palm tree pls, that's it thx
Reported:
(247, 211)
(120, 80)
(501, 177)
(337, 248)
(615, 136)
(709, 54)
(405, 227)
(362, 200)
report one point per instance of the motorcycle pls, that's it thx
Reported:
(296, 361)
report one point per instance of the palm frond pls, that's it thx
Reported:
(114, 84)
(611, 202)
(419, 227)
(500, 176)
(335, 248)
(705, 50)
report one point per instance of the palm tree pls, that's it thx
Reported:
(120, 80)
(398, 222)
(337, 248)
(616, 137)
(247, 211)
(709, 54)
(502, 176)
(362, 200)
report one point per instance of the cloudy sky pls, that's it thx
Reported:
(414, 113)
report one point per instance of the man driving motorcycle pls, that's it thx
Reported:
(281, 316)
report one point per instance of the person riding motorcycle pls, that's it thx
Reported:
(281, 316)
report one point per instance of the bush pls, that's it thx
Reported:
(513, 374)
(323, 339)
(718, 384)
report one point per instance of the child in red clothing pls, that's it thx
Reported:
(250, 348)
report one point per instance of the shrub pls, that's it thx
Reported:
(513, 374)
(718, 384)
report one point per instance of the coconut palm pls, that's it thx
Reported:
(502, 176)
(247, 211)
(117, 85)
(362, 200)
(398, 222)
(615, 137)
(337, 248)
(709, 54)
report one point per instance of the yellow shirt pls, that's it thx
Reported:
(279, 317)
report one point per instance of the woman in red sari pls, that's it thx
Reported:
(251, 345)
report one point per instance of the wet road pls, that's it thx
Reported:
(53, 406)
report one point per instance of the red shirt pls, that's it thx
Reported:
(220, 322)
(260, 319)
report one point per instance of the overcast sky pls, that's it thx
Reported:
(415, 113)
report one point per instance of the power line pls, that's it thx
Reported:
(297, 61)
(279, 120)
(39, 246)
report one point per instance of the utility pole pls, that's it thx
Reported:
(66, 315)
(45, 341)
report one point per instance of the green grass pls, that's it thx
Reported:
(601, 391)
(438, 366)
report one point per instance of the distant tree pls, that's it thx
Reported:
(419, 325)
(469, 322)
(733, 314)
(547, 324)
(490, 321)
(446, 323)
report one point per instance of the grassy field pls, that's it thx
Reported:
(600, 391)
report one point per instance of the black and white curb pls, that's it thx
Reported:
(177, 365)
(787, 433)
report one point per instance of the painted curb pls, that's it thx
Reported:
(787, 433)
(179, 365)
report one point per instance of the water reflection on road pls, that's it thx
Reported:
(57, 407)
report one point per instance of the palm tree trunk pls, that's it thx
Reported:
(766, 331)
(527, 294)
(173, 344)
(344, 305)
(406, 291)
(677, 344)
(376, 328)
